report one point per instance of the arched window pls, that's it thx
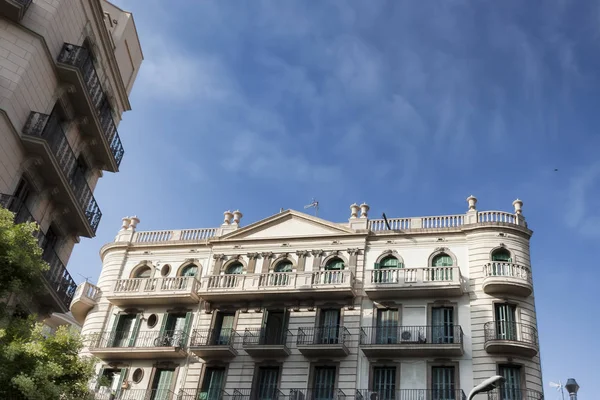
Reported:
(442, 260)
(501, 255)
(143, 272)
(189, 270)
(234, 269)
(389, 262)
(335, 264)
(284, 266)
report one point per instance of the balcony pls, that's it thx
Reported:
(267, 343)
(508, 393)
(85, 298)
(14, 9)
(76, 66)
(278, 286)
(59, 283)
(503, 278)
(412, 341)
(211, 394)
(43, 136)
(320, 393)
(323, 341)
(393, 283)
(147, 394)
(503, 337)
(155, 291)
(213, 344)
(110, 345)
(247, 394)
(411, 394)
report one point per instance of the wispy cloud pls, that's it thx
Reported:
(582, 213)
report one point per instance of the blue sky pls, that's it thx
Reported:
(409, 106)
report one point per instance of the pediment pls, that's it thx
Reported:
(288, 224)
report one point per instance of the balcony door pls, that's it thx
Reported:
(173, 332)
(274, 327)
(442, 321)
(18, 203)
(223, 331)
(324, 383)
(212, 385)
(443, 383)
(161, 385)
(506, 326)
(511, 389)
(329, 327)
(125, 330)
(266, 384)
(386, 331)
(384, 382)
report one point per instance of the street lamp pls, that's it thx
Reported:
(490, 383)
(572, 388)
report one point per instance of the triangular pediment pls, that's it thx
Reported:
(288, 224)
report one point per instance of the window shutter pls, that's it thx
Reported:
(187, 326)
(377, 265)
(121, 379)
(98, 378)
(163, 324)
(112, 339)
(134, 332)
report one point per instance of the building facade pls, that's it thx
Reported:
(66, 70)
(295, 306)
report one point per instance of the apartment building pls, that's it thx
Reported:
(66, 70)
(298, 307)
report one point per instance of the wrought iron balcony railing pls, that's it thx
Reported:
(317, 393)
(147, 394)
(267, 337)
(48, 128)
(509, 393)
(323, 335)
(411, 394)
(57, 277)
(213, 337)
(392, 334)
(144, 339)
(80, 58)
(511, 331)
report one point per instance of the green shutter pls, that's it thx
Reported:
(186, 327)
(112, 339)
(98, 378)
(134, 332)
(377, 265)
(121, 380)
(163, 324)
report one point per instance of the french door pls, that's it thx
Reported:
(212, 385)
(442, 321)
(161, 386)
(384, 382)
(329, 327)
(506, 326)
(511, 389)
(324, 383)
(443, 383)
(268, 378)
(386, 331)
(224, 328)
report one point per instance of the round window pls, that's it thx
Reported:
(164, 271)
(152, 319)
(137, 376)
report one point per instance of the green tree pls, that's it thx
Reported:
(34, 365)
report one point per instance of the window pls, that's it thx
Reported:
(442, 260)
(189, 270)
(506, 325)
(389, 262)
(384, 382)
(335, 264)
(161, 385)
(174, 330)
(223, 331)
(152, 320)
(328, 327)
(125, 330)
(212, 384)
(284, 266)
(385, 270)
(443, 383)
(442, 321)
(234, 269)
(164, 271)
(137, 375)
(386, 330)
(18, 204)
(324, 383)
(110, 381)
(511, 389)
(501, 255)
(266, 384)
(274, 330)
(143, 272)
(438, 272)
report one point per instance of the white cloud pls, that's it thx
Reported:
(580, 216)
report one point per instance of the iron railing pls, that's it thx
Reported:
(144, 339)
(508, 393)
(147, 394)
(213, 337)
(500, 268)
(317, 393)
(267, 337)
(80, 58)
(57, 277)
(318, 335)
(258, 394)
(411, 335)
(411, 394)
(48, 127)
(511, 331)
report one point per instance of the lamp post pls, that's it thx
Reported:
(490, 383)
(572, 388)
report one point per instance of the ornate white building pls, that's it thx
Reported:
(66, 70)
(298, 307)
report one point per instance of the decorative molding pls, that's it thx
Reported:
(317, 253)
(354, 251)
(302, 253)
(253, 256)
(219, 257)
(441, 249)
(267, 254)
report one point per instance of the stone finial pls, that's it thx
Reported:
(237, 216)
(133, 222)
(518, 204)
(472, 200)
(354, 211)
(227, 216)
(364, 210)
(125, 224)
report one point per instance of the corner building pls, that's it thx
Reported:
(297, 307)
(66, 70)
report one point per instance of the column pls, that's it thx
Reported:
(318, 255)
(218, 263)
(353, 253)
(252, 257)
(302, 254)
(266, 265)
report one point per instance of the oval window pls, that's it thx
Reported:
(137, 376)
(152, 320)
(164, 271)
